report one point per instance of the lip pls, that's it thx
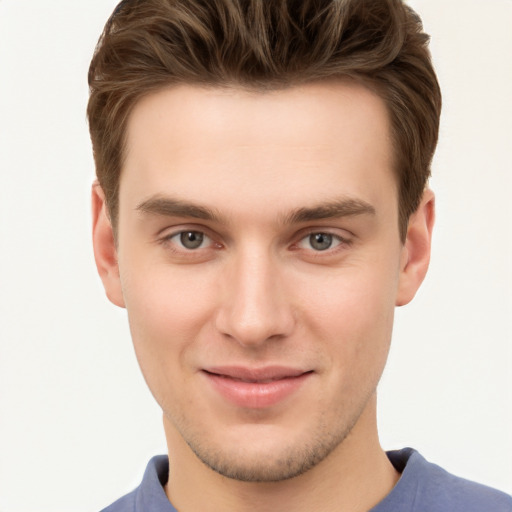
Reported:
(256, 388)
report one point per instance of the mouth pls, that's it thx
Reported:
(256, 388)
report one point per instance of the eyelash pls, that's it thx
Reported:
(175, 247)
(167, 241)
(341, 241)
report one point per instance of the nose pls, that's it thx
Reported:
(254, 306)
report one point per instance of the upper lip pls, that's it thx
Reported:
(263, 374)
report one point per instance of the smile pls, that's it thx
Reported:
(256, 388)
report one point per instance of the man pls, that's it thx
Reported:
(261, 208)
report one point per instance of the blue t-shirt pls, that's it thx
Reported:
(423, 487)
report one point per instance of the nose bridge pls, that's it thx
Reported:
(254, 306)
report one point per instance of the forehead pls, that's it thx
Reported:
(293, 145)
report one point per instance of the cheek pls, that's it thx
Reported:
(166, 312)
(161, 306)
(353, 314)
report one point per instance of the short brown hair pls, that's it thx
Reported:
(264, 45)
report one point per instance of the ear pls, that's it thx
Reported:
(105, 251)
(416, 249)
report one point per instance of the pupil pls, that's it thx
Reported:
(191, 239)
(320, 241)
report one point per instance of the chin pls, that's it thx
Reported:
(267, 462)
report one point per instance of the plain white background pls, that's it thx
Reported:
(77, 424)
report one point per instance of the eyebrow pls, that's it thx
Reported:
(171, 207)
(346, 207)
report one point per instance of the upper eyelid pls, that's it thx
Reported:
(333, 231)
(176, 247)
(169, 232)
(206, 241)
(339, 238)
(345, 239)
(173, 234)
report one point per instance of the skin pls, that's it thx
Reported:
(300, 265)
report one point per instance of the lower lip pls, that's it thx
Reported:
(256, 395)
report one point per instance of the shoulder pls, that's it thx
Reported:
(124, 504)
(457, 493)
(432, 489)
(464, 493)
(150, 494)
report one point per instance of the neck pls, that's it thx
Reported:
(355, 477)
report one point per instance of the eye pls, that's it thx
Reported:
(189, 244)
(190, 240)
(320, 241)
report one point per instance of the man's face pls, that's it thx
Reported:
(260, 263)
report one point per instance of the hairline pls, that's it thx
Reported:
(262, 87)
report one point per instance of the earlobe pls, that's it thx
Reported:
(416, 249)
(105, 251)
